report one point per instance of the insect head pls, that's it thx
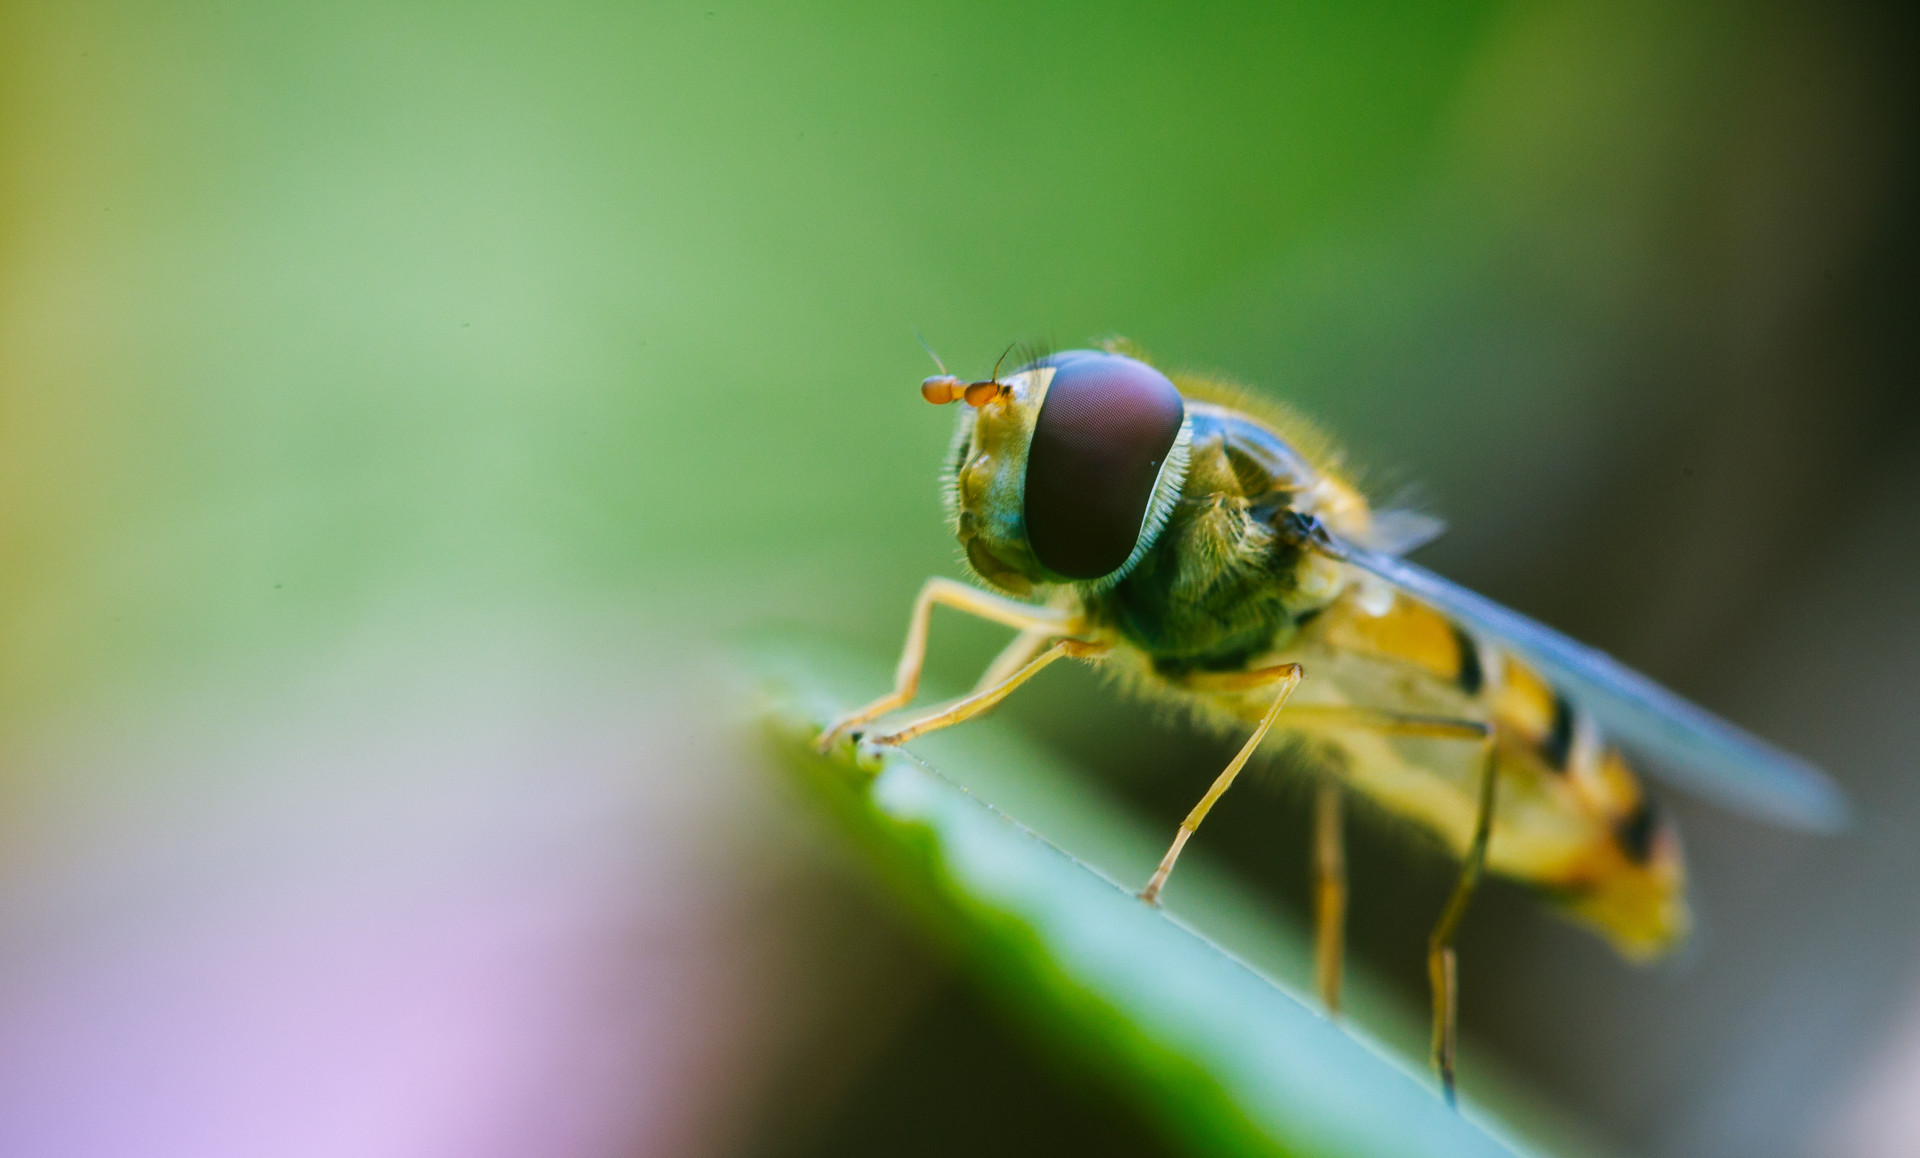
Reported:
(1065, 470)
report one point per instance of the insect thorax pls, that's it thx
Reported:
(1223, 583)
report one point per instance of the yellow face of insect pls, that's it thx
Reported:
(987, 487)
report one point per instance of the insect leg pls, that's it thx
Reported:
(1287, 675)
(1441, 971)
(979, 702)
(1329, 864)
(1329, 893)
(906, 680)
(1024, 647)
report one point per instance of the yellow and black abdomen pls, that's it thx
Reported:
(1571, 817)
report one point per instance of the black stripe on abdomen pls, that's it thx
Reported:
(1635, 830)
(1469, 676)
(1558, 744)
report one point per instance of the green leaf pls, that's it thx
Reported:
(1028, 873)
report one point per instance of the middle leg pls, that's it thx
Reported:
(1287, 675)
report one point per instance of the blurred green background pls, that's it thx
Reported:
(374, 378)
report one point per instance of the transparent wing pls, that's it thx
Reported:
(1396, 531)
(1689, 746)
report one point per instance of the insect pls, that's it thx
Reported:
(1202, 545)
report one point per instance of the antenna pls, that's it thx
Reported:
(1002, 358)
(929, 350)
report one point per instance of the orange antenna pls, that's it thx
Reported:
(978, 394)
(943, 387)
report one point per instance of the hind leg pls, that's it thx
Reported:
(1329, 845)
(1442, 970)
(1329, 894)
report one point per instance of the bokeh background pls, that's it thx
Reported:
(406, 408)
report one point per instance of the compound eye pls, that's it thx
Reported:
(1105, 427)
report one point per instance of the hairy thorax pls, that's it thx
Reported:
(1226, 581)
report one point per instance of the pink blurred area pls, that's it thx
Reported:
(1882, 1117)
(480, 898)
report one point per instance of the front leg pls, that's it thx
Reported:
(980, 701)
(957, 595)
(1016, 655)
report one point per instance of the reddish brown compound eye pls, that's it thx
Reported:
(1104, 429)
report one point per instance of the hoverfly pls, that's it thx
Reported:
(1201, 544)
